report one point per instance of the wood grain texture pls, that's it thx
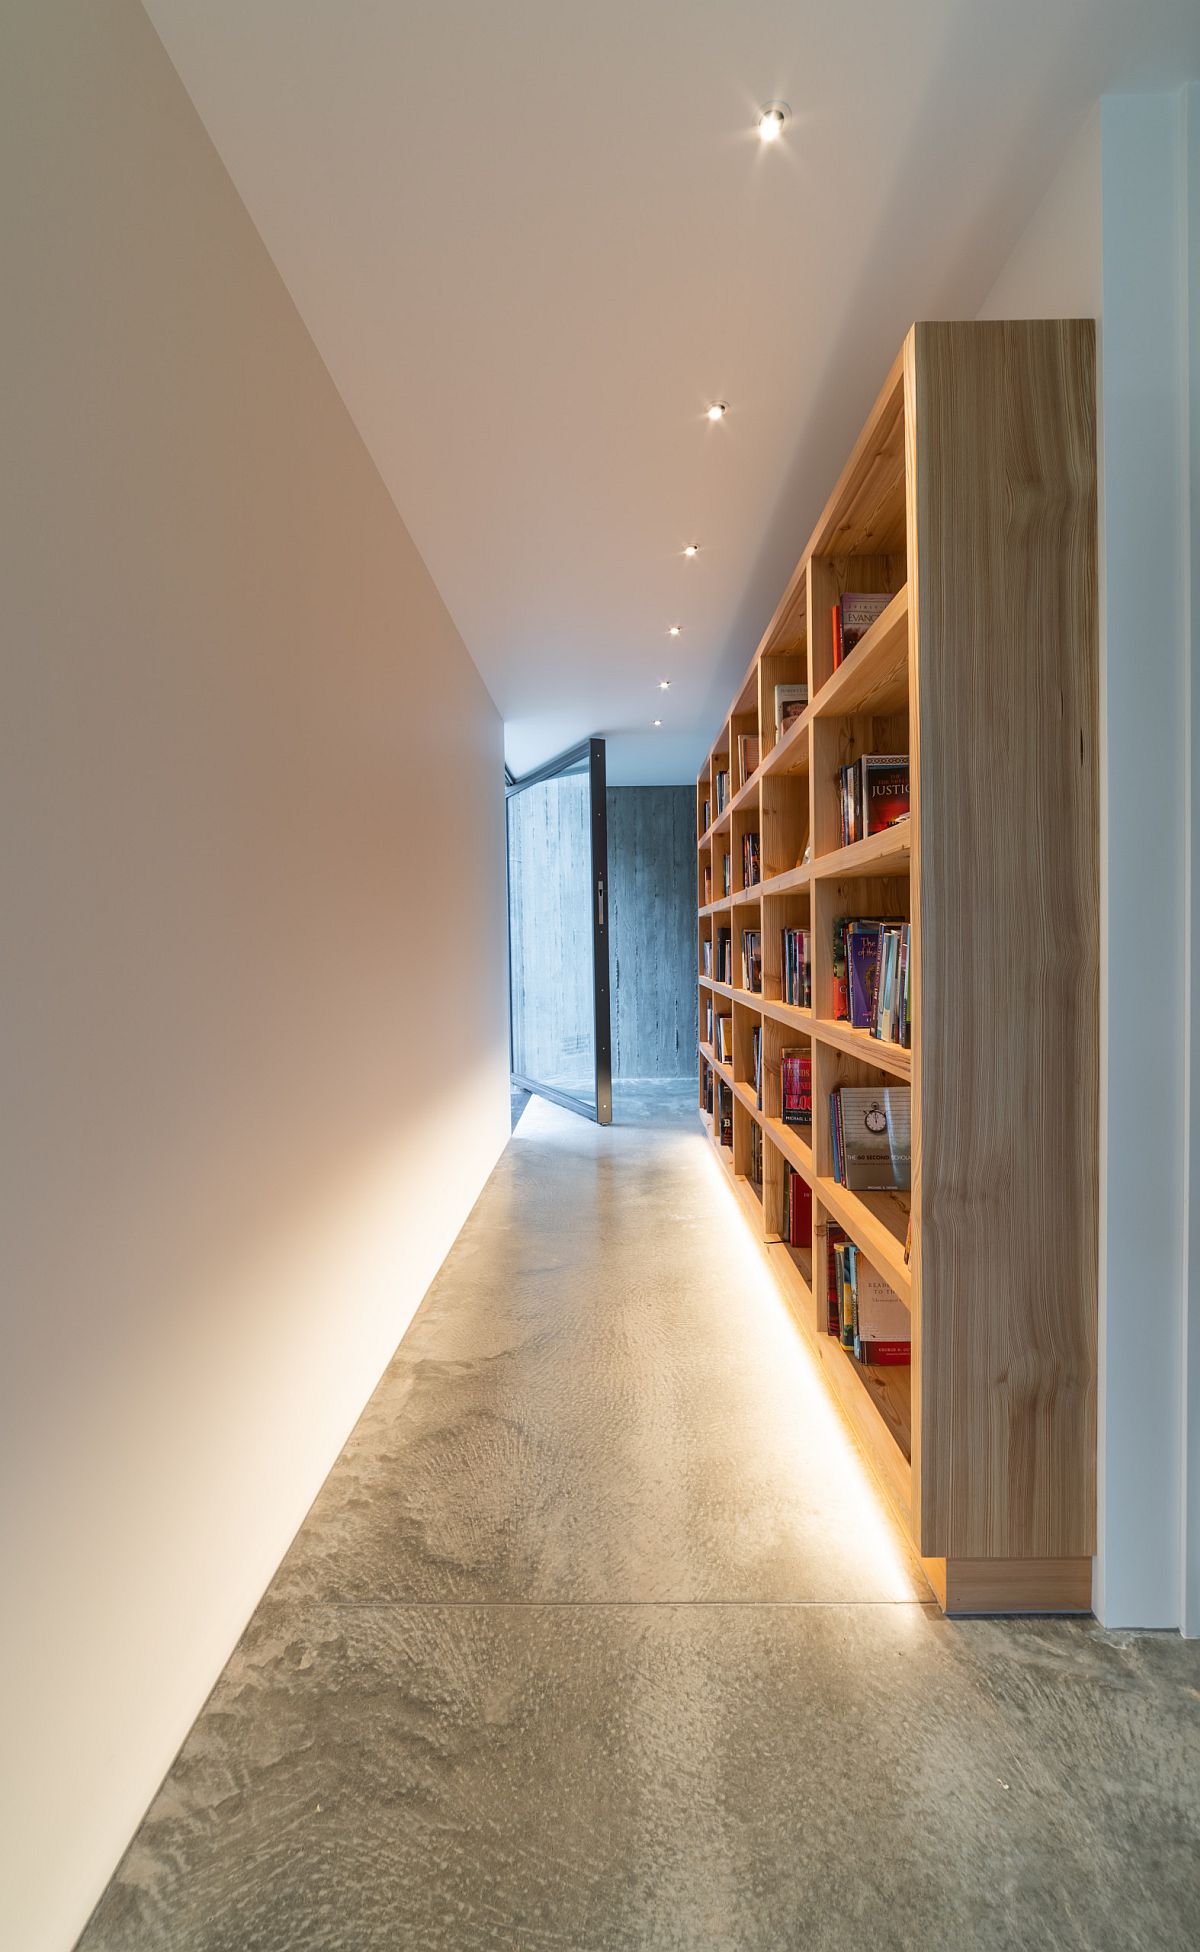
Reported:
(984, 669)
(1014, 1585)
(1002, 551)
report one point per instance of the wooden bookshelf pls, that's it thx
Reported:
(969, 499)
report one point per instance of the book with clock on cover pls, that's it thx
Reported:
(873, 1133)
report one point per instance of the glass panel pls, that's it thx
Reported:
(554, 908)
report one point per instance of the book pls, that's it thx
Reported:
(884, 792)
(834, 1238)
(795, 1226)
(752, 959)
(726, 876)
(790, 704)
(882, 1324)
(755, 1173)
(725, 1114)
(721, 782)
(750, 859)
(724, 956)
(706, 955)
(705, 821)
(749, 754)
(756, 1048)
(853, 614)
(708, 1023)
(707, 885)
(795, 1079)
(796, 968)
(862, 968)
(724, 1043)
(708, 1089)
(872, 1137)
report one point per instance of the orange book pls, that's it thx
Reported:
(837, 635)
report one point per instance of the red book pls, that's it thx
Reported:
(884, 789)
(837, 635)
(800, 1216)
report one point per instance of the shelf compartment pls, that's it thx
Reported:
(874, 678)
(876, 1223)
(886, 853)
(895, 1059)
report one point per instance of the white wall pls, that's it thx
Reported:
(253, 1015)
(1110, 240)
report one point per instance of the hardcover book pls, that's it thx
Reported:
(884, 790)
(790, 704)
(857, 612)
(882, 1324)
(834, 1238)
(874, 1134)
(796, 1086)
(749, 754)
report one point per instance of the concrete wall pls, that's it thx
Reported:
(652, 880)
(252, 998)
(1116, 237)
(652, 932)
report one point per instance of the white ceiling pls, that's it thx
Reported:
(532, 242)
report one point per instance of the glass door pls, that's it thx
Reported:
(558, 931)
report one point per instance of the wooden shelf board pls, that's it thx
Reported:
(877, 1223)
(788, 882)
(745, 1092)
(874, 678)
(790, 1015)
(888, 852)
(895, 1059)
(791, 754)
(796, 1149)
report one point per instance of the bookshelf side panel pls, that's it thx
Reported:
(1006, 894)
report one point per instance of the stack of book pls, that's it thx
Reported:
(752, 959)
(724, 956)
(749, 754)
(726, 876)
(871, 1318)
(872, 976)
(706, 955)
(705, 821)
(872, 1137)
(790, 702)
(795, 1077)
(796, 1222)
(721, 783)
(708, 1087)
(797, 968)
(756, 1044)
(724, 1043)
(874, 795)
(750, 865)
(853, 615)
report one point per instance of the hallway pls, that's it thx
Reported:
(597, 1637)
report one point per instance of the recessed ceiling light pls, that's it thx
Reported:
(673, 630)
(771, 121)
(718, 410)
(693, 549)
(658, 721)
(664, 684)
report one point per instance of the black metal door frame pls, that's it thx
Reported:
(591, 750)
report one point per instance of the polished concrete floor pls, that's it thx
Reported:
(597, 1638)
